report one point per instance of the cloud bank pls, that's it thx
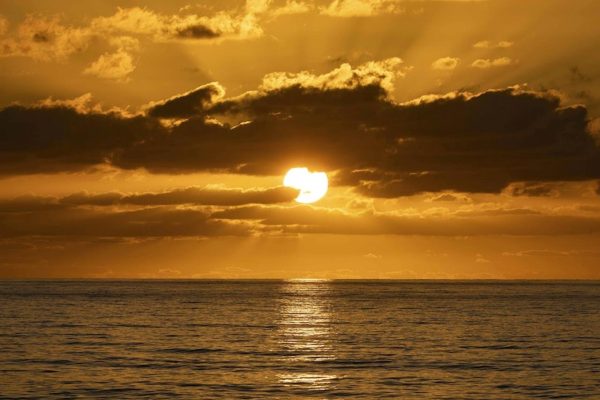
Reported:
(343, 121)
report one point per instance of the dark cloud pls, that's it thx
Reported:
(449, 197)
(53, 139)
(41, 37)
(187, 104)
(532, 190)
(166, 221)
(467, 143)
(480, 144)
(197, 32)
(148, 222)
(459, 142)
(191, 195)
(30, 203)
(216, 214)
(87, 199)
(306, 219)
(296, 127)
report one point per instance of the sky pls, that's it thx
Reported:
(149, 139)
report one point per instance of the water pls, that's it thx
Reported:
(280, 339)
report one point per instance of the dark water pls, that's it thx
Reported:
(276, 339)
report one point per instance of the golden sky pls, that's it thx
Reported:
(149, 139)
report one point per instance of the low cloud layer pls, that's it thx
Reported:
(217, 196)
(134, 215)
(149, 222)
(161, 215)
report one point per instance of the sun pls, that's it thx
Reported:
(312, 185)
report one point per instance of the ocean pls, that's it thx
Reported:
(299, 339)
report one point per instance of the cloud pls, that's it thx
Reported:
(117, 66)
(29, 203)
(551, 253)
(484, 63)
(292, 7)
(148, 222)
(44, 38)
(197, 32)
(82, 104)
(480, 259)
(218, 211)
(187, 104)
(257, 6)
(162, 27)
(594, 129)
(381, 73)
(192, 195)
(3, 25)
(133, 20)
(60, 138)
(449, 197)
(308, 219)
(47, 38)
(373, 256)
(361, 8)
(532, 189)
(371, 8)
(445, 63)
(486, 44)
(343, 121)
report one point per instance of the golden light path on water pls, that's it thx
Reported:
(305, 332)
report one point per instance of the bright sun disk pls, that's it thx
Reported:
(312, 185)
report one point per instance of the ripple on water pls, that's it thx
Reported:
(313, 339)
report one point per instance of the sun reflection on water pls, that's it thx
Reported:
(305, 333)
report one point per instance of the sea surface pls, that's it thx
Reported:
(299, 339)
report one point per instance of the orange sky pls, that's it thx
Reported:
(147, 139)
